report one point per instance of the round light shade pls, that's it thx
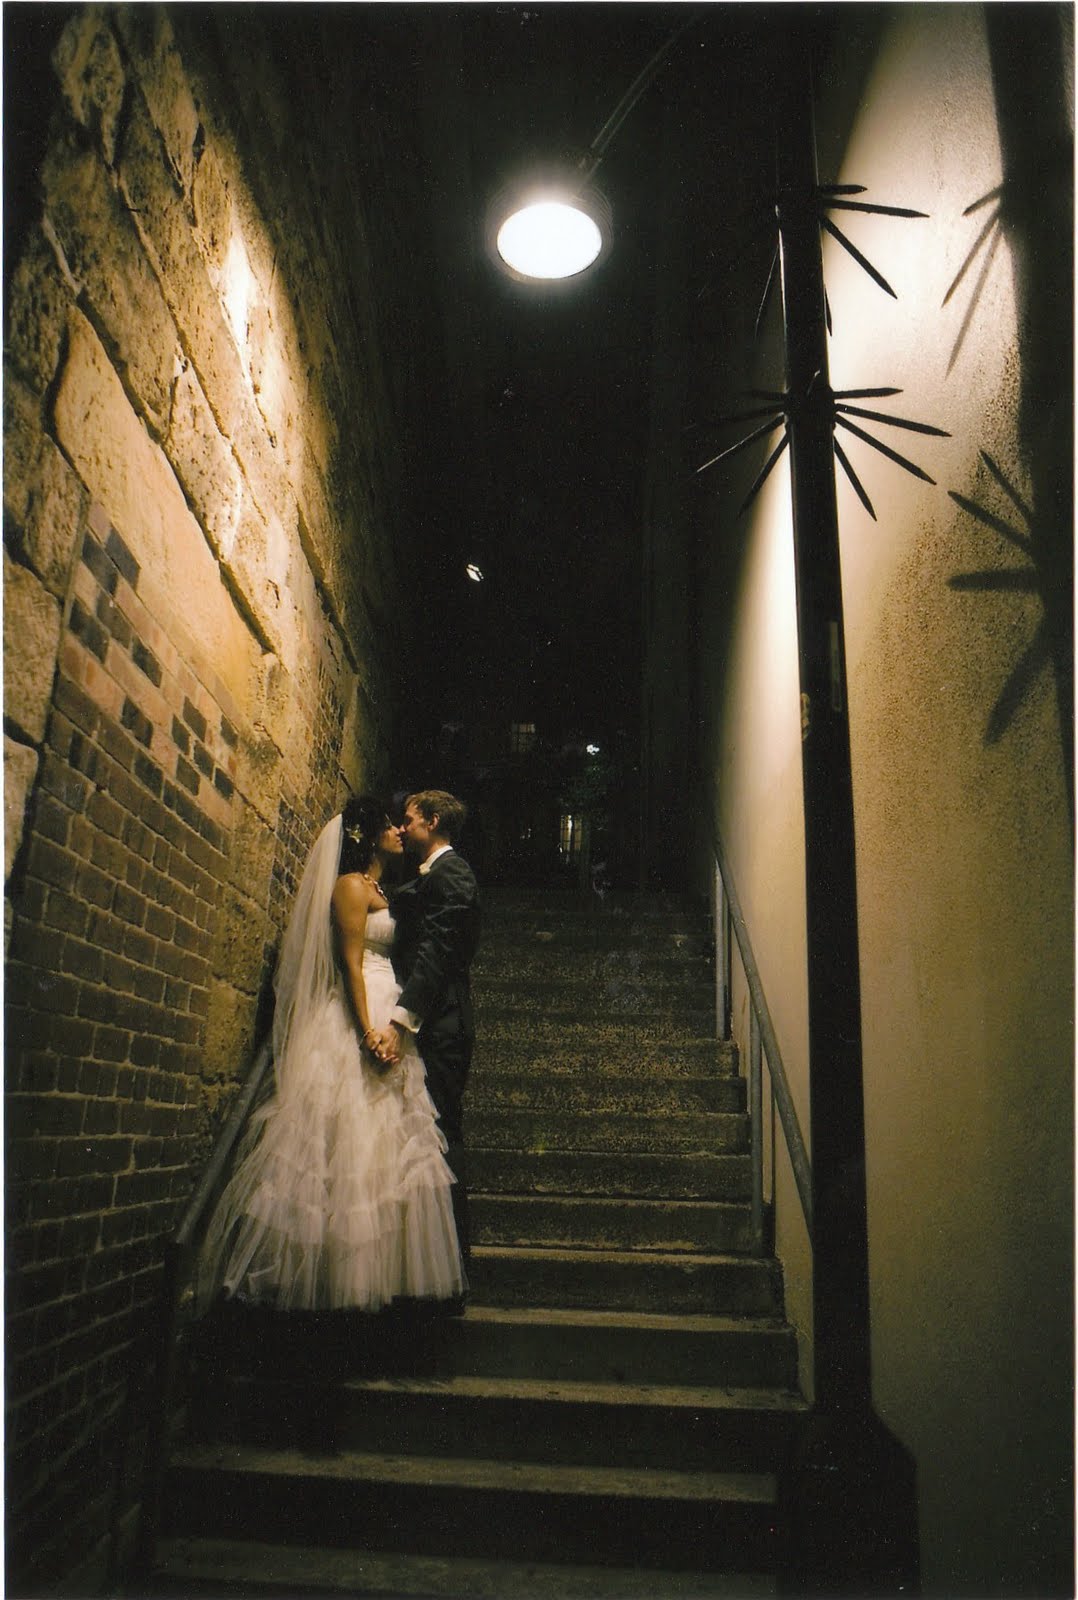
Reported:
(547, 232)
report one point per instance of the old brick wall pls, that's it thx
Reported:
(208, 369)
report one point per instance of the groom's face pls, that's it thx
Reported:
(417, 834)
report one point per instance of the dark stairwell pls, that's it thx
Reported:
(609, 1416)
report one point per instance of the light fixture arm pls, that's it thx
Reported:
(591, 160)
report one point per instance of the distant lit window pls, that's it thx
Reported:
(571, 831)
(521, 737)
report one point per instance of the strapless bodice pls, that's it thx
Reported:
(378, 938)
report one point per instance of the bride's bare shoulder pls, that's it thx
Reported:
(351, 896)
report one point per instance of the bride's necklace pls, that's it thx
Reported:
(375, 885)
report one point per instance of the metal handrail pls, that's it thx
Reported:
(176, 1260)
(762, 1033)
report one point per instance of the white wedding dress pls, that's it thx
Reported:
(341, 1193)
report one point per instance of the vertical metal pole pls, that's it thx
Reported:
(721, 916)
(756, 1124)
(840, 1271)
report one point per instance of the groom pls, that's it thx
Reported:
(437, 916)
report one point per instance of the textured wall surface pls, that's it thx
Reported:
(961, 747)
(205, 383)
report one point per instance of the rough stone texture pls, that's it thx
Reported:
(20, 770)
(202, 493)
(31, 637)
(88, 65)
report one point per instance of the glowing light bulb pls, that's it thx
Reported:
(549, 239)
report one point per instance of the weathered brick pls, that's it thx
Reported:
(94, 557)
(86, 628)
(113, 621)
(82, 960)
(108, 853)
(110, 1044)
(96, 1078)
(149, 774)
(72, 1036)
(145, 1050)
(146, 661)
(137, 722)
(59, 779)
(186, 775)
(78, 706)
(160, 922)
(94, 885)
(121, 556)
(78, 1157)
(101, 1117)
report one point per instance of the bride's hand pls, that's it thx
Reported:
(383, 1046)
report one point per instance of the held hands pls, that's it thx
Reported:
(384, 1046)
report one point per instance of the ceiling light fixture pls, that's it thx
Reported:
(554, 225)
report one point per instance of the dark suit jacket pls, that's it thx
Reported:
(437, 917)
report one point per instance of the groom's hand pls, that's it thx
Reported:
(386, 1045)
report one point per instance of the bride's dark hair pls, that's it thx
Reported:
(363, 820)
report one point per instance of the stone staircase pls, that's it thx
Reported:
(608, 1417)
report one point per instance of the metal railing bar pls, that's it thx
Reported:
(721, 924)
(756, 1115)
(791, 1127)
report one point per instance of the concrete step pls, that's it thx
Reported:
(574, 1172)
(556, 908)
(565, 1422)
(683, 1133)
(439, 1506)
(591, 1092)
(696, 1226)
(230, 1567)
(501, 1051)
(616, 1280)
(540, 961)
(583, 1344)
(688, 1005)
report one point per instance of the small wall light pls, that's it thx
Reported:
(473, 572)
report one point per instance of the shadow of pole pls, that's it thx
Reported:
(1027, 52)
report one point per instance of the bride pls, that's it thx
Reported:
(341, 1193)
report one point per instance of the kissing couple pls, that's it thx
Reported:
(349, 1187)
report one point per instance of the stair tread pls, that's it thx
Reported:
(575, 1391)
(300, 1568)
(652, 1321)
(619, 1202)
(643, 1483)
(622, 1258)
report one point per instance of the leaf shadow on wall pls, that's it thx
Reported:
(1035, 215)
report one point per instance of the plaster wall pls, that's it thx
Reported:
(960, 784)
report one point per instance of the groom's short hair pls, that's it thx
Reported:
(451, 812)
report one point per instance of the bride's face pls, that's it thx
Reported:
(389, 841)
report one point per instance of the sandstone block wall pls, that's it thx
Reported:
(202, 499)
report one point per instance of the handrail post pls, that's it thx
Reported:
(756, 1124)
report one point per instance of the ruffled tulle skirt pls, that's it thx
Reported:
(341, 1193)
